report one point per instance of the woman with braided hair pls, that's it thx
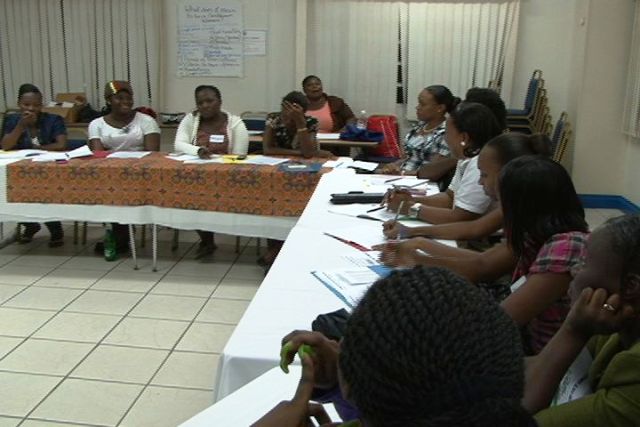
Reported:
(423, 348)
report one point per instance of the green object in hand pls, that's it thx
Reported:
(304, 349)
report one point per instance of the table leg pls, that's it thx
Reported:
(154, 246)
(132, 244)
(75, 232)
(174, 243)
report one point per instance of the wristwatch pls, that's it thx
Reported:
(414, 210)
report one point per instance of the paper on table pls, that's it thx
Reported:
(83, 151)
(4, 162)
(265, 160)
(353, 210)
(348, 284)
(203, 161)
(328, 136)
(182, 157)
(368, 166)
(21, 154)
(128, 154)
(340, 163)
(362, 259)
(50, 157)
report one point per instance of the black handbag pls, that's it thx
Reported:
(331, 325)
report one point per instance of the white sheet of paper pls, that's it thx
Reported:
(83, 151)
(203, 161)
(353, 210)
(340, 163)
(368, 166)
(50, 157)
(128, 154)
(181, 157)
(21, 154)
(363, 259)
(265, 160)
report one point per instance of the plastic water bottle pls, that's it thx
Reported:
(110, 253)
(361, 121)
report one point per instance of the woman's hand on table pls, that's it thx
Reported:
(399, 254)
(395, 197)
(394, 230)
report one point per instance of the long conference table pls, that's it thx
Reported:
(290, 297)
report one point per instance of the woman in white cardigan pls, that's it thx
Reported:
(207, 131)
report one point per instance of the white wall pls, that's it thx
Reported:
(266, 78)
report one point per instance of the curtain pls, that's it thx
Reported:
(79, 45)
(631, 117)
(460, 44)
(353, 47)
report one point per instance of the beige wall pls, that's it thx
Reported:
(582, 47)
(266, 78)
(548, 33)
(600, 163)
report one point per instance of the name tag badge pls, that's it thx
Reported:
(216, 139)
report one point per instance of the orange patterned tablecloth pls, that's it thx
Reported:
(158, 181)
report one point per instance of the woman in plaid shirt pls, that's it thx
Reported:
(546, 237)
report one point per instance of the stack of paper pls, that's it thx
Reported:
(350, 284)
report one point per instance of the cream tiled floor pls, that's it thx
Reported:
(94, 343)
(85, 342)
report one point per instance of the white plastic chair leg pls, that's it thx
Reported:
(132, 245)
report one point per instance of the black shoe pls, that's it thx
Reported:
(205, 250)
(28, 233)
(56, 241)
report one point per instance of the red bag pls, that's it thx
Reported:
(388, 125)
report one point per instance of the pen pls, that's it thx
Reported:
(376, 209)
(349, 242)
(392, 179)
(399, 210)
(409, 186)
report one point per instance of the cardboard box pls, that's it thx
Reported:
(68, 113)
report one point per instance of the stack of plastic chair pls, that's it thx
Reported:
(561, 137)
(535, 114)
(254, 121)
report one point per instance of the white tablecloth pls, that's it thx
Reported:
(290, 297)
